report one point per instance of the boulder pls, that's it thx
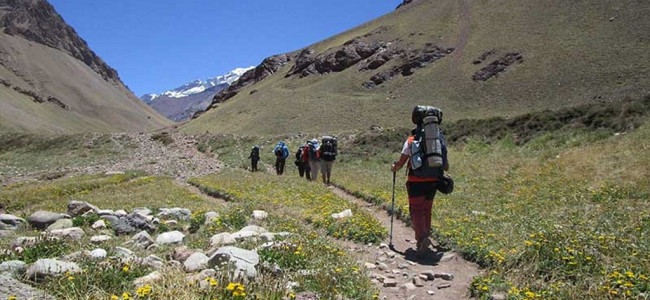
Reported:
(344, 214)
(41, 219)
(221, 239)
(148, 279)
(105, 212)
(181, 253)
(78, 208)
(196, 262)
(120, 213)
(260, 215)
(142, 240)
(60, 224)
(13, 267)
(177, 213)
(143, 211)
(10, 287)
(10, 222)
(171, 237)
(50, 267)
(25, 241)
(154, 262)
(98, 254)
(124, 253)
(244, 234)
(100, 239)
(210, 216)
(131, 223)
(254, 228)
(74, 233)
(100, 224)
(243, 261)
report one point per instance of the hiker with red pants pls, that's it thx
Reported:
(426, 154)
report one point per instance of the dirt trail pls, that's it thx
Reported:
(209, 198)
(405, 261)
(463, 36)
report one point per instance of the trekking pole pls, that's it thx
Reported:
(392, 212)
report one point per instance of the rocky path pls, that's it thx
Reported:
(394, 270)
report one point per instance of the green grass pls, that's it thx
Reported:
(563, 216)
(549, 35)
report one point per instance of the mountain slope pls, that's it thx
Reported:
(50, 81)
(181, 103)
(474, 59)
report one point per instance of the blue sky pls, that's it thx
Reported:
(156, 45)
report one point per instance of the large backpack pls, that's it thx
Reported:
(255, 153)
(314, 154)
(426, 147)
(305, 153)
(328, 148)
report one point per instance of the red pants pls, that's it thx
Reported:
(420, 210)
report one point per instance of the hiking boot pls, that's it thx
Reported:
(422, 247)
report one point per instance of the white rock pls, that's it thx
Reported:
(171, 237)
(210, 217)
(254, 228)
(105, 212)
(243, 234)
(142, 239)
(110, 173)
(98, 253)
(124, 253)
(100, 224)
(344, 214)
(50, 267)
(60, 224)
(223, 238)
(74, 233)
(197, 261)
(260, 214)
(148, 279)
(100, 239)
(120, 213)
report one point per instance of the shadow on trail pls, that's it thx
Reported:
(430, 258)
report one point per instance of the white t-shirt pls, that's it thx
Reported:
(405, 149)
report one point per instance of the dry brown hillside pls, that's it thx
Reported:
(50, 80)
(474, 59)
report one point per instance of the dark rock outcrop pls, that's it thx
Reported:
(334, 60)
(498, 66)
(269, 66)
(405, 2)
(409, 62)
(37, 21)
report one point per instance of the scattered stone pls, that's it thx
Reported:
(171, 237)
(120, 213)
(98, 253)
(50, 267)
(260, 215)
(244, 261)
(445, 276)
(254, 228)
(14, 267)
(154, 262)
(10, 222)
(100, 224)
(105, 212)
(25, 241)
(402, 266)
(152, 247)
(499, 296)
(124, 253)
(171, 222)
(447, 257)
(181, 253)
(370, 266)
(148, 279)
(143, 211)
(142, 240)
(201, 276)
(242, 234)
(100, 239)
(423, 277)
(197, 261)
(417, 282)
(10, 287)
(291, 285)
(383, 246)
(74, 233)
(111, 173)
(60, 224)
(444, 285)
(222, 239)
(431, 292)
(210, 217)
(344, 214)
(388, 282)
(78, 208)
(111, 219)
(429, 274)
(77, 256)
(41, 219)
(382, 266)
(178, 213)
(409, 286)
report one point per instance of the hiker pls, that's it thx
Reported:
(255, 157)
(281, 154)
(314, 158)
(299, 161)
(426, 153)
(328, 153)
(305, 160)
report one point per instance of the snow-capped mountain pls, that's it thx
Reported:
(182, 102)
(198, 86)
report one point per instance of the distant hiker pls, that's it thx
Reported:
(255, 157)
(301, 162)
(281, 154)
(314, 158)
(426, 153)
(328, 151)
(305, 160)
